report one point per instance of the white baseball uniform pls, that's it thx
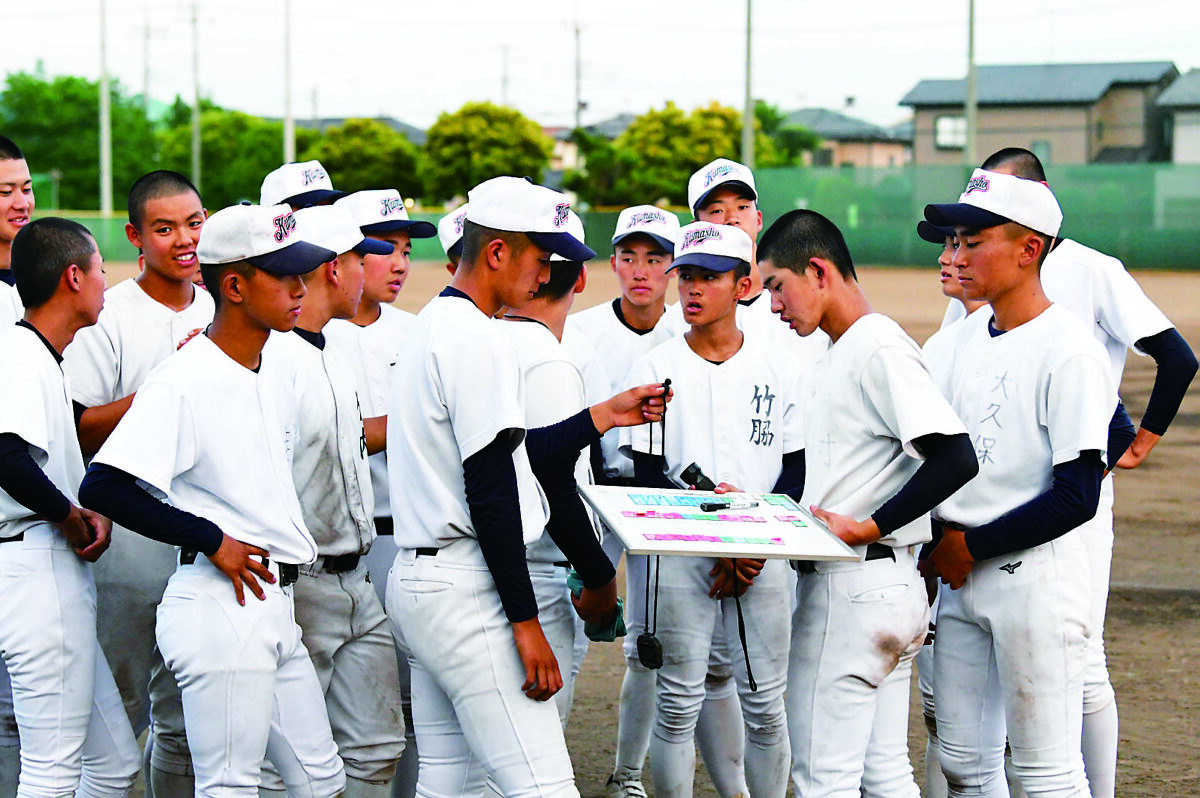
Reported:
(345, 628)
(107, 362)
(11, 309)
(857, 626)
(11, 312)
(1010, 653)
(468, 706)
(736, 420)
(75, 736)
(205, 433)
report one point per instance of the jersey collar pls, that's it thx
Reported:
(57, 357)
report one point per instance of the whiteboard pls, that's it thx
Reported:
(657, 521)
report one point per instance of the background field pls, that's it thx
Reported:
(1153, 629)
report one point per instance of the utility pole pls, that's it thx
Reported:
(970, 154)
(504, 74)
(195, 96)
(289, 124)
(578, 79)
(106, 167)
(146, 67)
(748, 112)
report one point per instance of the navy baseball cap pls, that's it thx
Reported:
(994, 198)
(934, 234)
(517, 205)
(648, 220)
(300, 184)
(383, 211)
(333, 227)
(266, 237)
(716, 247)
(721, 173)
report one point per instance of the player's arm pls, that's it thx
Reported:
(375, 431)
(566, 439)
(1175, 368)
(95, 424)
(1121, 433)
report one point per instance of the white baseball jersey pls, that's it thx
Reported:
(321, 413)
(37, 408)
(11, 309)
(1098, 291)
(135, 333)
(736, 419)
(1033, 398)
(870, 396)
(615, 345)
(370, 352)
(938, 352)
(456, 387)
(205, 433)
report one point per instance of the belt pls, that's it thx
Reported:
(340, 563)
(875, 551)
(14, 539)
(384, 526)
(288, 572)
(428, 551)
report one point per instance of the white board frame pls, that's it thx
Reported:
(775, 519)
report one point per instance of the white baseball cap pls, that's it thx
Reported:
(450, 231)
(266, 236)
(721, 173)
(383, 211)
(302, 184)
(334, 228)
(575, 228)
(517, 205)
(716, 247)
(992, 198)
(647, 220)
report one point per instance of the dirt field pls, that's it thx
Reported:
(1153, 629)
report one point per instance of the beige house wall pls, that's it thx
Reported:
(1064, 130)
(865, 154)
(1119, 119)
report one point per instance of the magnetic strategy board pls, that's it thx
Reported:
(656, 521)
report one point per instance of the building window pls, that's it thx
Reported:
(823, 157)
(950, 132)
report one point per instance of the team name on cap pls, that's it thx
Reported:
(978, 183)
(560, 213)
(459, 221)
(715, 172)
(390, 205)
(645, 217)
(313, 175)
(285, 224)
(693, 237)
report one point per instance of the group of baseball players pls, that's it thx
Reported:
(344, 546)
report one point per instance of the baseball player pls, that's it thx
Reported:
(736, 416)
(1105, 297)
(1035, 390)
(145, 320)
(207, 432)
(607, 339)
(369, 344)
(461, 569)
(450, 235)
(74, 735)
(883, 448)
(299, 185)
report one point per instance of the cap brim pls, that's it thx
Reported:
(414, 227)
(960, 214)
(563, 244)
(373, 246)
(731, 184)
(455, 251)
(933, 233)
(706, 260)
(314, 197)
(298, 258)
(667, 245)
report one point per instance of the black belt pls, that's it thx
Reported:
(562, 564)
(428, 551)
(15, 538)
(384, 526)
(288, 572)
(875, 551)
(340, 563)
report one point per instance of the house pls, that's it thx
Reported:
(849, 141)
(1181, 104)
(566, 152)
(1066, 113)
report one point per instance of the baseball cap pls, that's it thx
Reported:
(450, 231)
(334, 228)
(303, 184)
(992, 198)
(721, 173)
(934, 234)
(517, 205)
(647, 220)
(716, 247)
(575, 228)
(266, 236)
(383, 211)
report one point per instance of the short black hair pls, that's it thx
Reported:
(1023, 163)
(153, 185)
(798, 236)
(563, 274)
(211, 274)
(475, 237)
(9, 151)
(42, 250)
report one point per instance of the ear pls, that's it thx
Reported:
(133, 235)
(743, 287)
(580, 281)
(330, 270)
(612, 261)
(820, 271)
(497, 252)
(72, 278)
(452, 268)
(232, 287)
(1031, 251)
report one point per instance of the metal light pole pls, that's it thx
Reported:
(196, 165)
(106, 165)
(748, 112)
(970, 154)
(289, 124)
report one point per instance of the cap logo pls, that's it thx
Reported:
(693, 237)
(313, 175)
(714, 173)
(645, 217)
(285, 223)
(978, 183)
(560, 213)
(390, 205)
(459, 221)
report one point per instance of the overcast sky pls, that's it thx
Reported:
(412, 60)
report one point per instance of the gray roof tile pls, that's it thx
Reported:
(1183, 93)
(1039, 84)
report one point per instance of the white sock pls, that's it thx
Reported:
(673, 766)
(1100, 751)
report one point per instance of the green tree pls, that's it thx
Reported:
(480, 141)
(236, 152)
(367, 153)
(56, 123)
(789, 141)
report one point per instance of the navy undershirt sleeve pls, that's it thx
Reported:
(564, 440)
(27, 484)
(1071, 500)
(650, 471)
(1120, 434)
(1176, 367)
(791, 478)
(948, 465)
(490, 479)
(570, 527)
(116, 494)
